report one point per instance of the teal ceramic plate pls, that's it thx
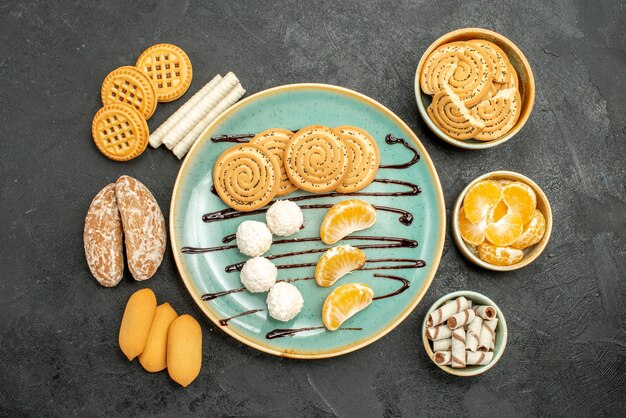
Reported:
(411, 209)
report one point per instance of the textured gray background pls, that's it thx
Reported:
(566, 313)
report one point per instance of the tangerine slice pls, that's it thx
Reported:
(344, 302)
(533, 231)
(473, 234)
(498, 211)
(337, 262)
(480, 198)
(520, 199)
(506, 231)
(345, 218)
(499, 256)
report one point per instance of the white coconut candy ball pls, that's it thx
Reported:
(284, 218)
(253, 238)
(284, 301)
(258, 274)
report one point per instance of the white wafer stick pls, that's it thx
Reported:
(199, 111)
(473, 333)
(458, 348)
(478, 357)
(487, 338)
(442, 345)
(485, 312)
(438, 316)
(157, 136)
(461, 319)
(439, 332)
(192, 136)
(443, 357)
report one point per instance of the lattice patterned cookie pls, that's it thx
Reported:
(130, 86)
(120, 132)
(170, 69)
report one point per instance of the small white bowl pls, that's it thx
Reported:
(501, 333)
(531, 253)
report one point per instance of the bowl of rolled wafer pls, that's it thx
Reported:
(464, 333)
(474, 88)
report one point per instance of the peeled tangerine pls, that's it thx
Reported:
(520, 199)
(473, 234)
(344, 302)
(153, 358)
(506, 231)
(480, 198)
(184, 350)
(136, 322)
(499, 256)
(533, 231)
(337, 262)
(345, 218)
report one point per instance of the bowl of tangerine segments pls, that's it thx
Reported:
(502, 221)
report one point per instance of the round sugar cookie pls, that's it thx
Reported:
(170, 69)
(449, 114)
(130, 86)
(275, 140)
(437, 65)
(120, 132)
(499, 114)
(496, 57)
(316, 159)
(246, 177)
(363, 158)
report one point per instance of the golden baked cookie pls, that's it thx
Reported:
(170, 69)
(275, 140)
(363, 158)
(499, 114)
(120, 132)
(246, 177)
(454, 119)
(130, 86)
(316, 159)
(496, 58)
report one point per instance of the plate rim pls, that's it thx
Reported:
(441, 228)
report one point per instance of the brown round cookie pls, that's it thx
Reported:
(170, 69)
(246, 177)
(316, 159)
(275, 140)
(120, 132)
(363, 157)
(131, 86)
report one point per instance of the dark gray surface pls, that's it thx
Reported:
(566, 353)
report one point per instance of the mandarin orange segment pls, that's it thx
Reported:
(337, 262)
(533, 231)
(345, 218)
(506, 231)
(480, 198)
(473, 234)
(497, 212)
(520, 199)
(499, 256)
(344, 302)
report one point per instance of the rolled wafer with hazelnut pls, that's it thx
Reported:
(473, 333)
(487, 338)
(438, 316)
(443, 358)
(440, 332)
(443, 345)
(461, 319)
(485, 312)
(458, 348)
(478, 357)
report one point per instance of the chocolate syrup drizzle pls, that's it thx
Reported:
(224, 322)
(289, 332)
(406, 218)
(411, 264)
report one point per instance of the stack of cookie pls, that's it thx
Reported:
(130, 94)
(475, 90)
(276, 162)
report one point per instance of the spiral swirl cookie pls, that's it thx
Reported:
(499, 114)
(170, 69)
(363, 158)
(316, 159)
(496, 59)
(452, 117)
(275, 140)
(438, 64)
(130, 86)
(246, 177)
(120, 132)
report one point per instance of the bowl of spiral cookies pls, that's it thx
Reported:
(474, 88)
